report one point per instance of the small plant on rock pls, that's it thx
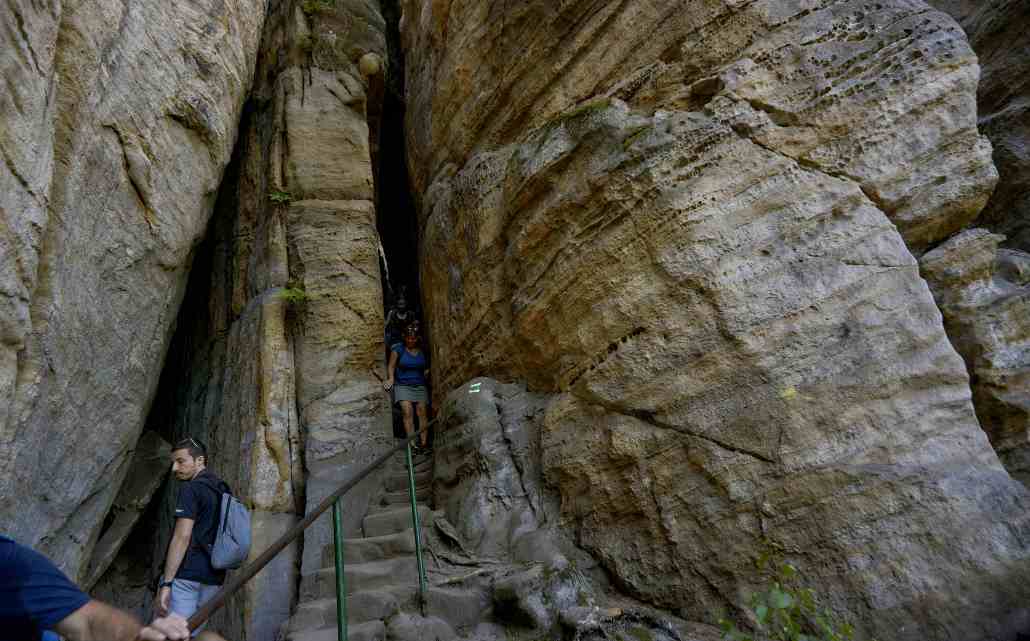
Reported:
(280, 197)
(294, 294)
(311, 7)
(788, 612)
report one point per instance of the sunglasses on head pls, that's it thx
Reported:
(189, 440)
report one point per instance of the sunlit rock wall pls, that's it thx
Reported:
(116, 122)
(694, 223)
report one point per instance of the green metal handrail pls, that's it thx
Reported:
(418, 532)
(341, 587)
(240, 578)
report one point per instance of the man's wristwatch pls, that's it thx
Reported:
(164, 584)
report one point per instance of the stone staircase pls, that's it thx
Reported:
(382, 576)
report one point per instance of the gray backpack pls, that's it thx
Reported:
(232, 539)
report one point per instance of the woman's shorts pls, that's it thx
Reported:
(413, 393)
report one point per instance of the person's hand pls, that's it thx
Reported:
(163, 601)
(388, 384)
(172, 627)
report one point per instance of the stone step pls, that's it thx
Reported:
(398, 482)
(461, 609)
(412, 627)
(421, 461)
(370, 605)
(373, 548)
(393, 520)
(360, 577)
(368, 631)
(393, 498)
(390, 507)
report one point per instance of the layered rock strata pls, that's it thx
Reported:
(488, 482)
(281, 343)
(999, 31)
(978, 293)
(693, 223)
(984, 294)
(116, 122)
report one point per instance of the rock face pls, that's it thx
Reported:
(692, 225)
(978, 287)
(142, 481)
(116, 122)
(489, 483)
(279, 339)
(999, 31)
(984, 294)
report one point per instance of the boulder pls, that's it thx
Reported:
(999, 31)
(984, 295)
(692, 225)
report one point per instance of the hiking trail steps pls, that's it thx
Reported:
(381, 576)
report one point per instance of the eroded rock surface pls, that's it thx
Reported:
(147, 471)
(508, 529)
(116, 122)
(694, 224)
(984, 294)
(979, 287)
(280, 341)
(999, 31)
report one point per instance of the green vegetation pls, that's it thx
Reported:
(788, 612)
(280, 197)
(312, 7)
(590, 106)
(294, 294)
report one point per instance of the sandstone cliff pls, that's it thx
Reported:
(279, 338)
(694, 224)
(726, 256)
(996, 351)
(116, 122)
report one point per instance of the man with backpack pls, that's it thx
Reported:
(190, 578)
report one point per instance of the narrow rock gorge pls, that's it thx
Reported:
(708, 282)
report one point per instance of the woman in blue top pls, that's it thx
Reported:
(408, 369)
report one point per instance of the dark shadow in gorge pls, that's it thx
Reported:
(396, 216)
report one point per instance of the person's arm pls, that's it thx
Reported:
(95, 621)
(98, 621)
(390, 370)
(176, 552)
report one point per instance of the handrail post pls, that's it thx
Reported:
(341, 587)
(418, 530)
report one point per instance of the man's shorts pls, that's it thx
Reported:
(188, 596)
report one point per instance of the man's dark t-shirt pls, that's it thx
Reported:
(34, 595)
(201, 500)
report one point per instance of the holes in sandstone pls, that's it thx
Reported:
(599, 359)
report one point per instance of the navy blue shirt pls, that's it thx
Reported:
(411, 368)
(201, 500)
(34, 595)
